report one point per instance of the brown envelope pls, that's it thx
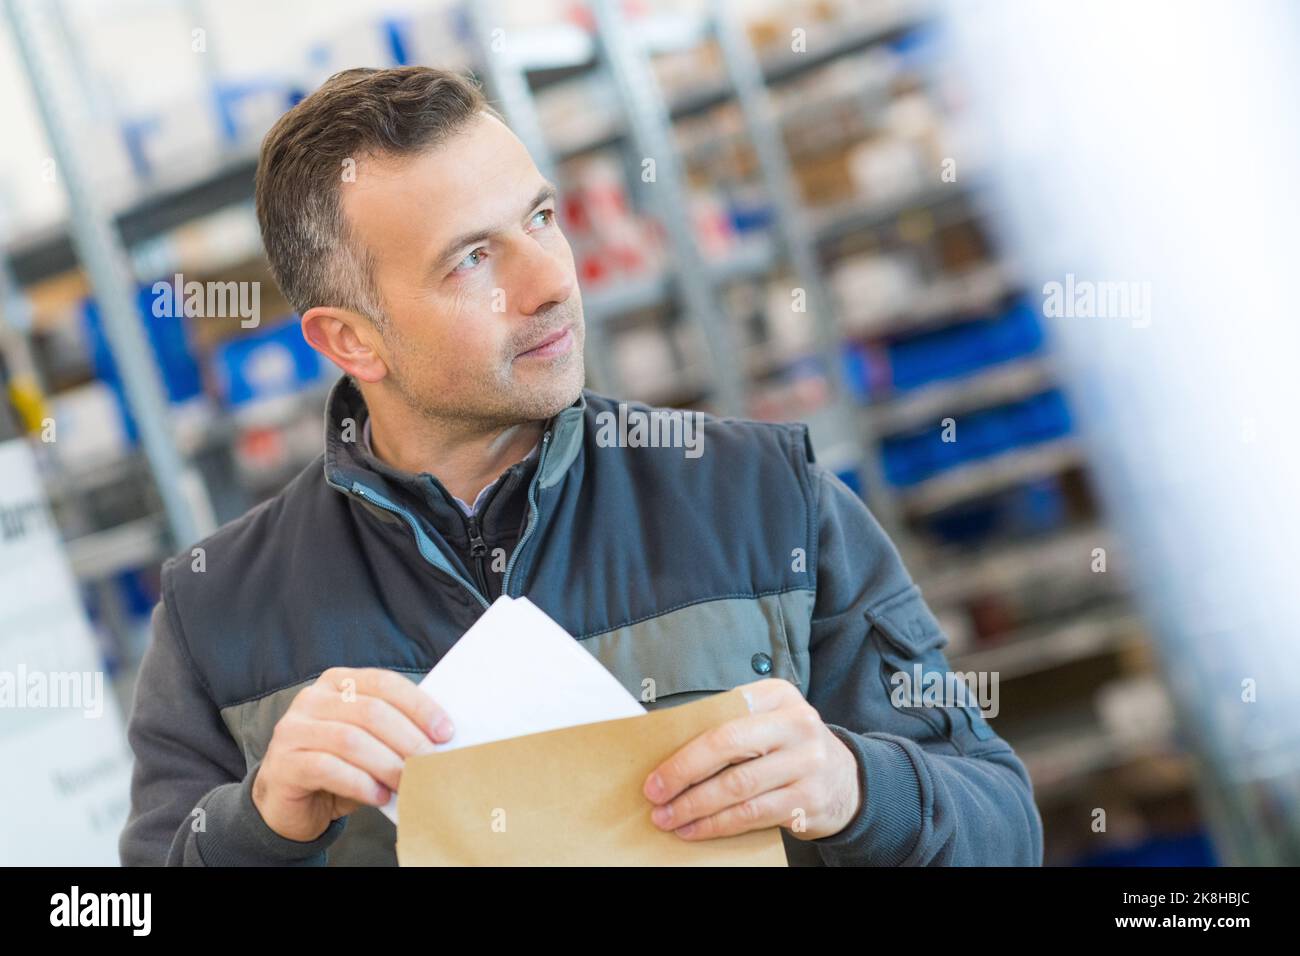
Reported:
(568, 797)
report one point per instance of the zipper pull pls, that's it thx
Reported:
(477, 546)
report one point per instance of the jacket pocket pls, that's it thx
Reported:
(911, 638)
(907, 623)
(698, 650)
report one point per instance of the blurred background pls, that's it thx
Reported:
(1020, 266)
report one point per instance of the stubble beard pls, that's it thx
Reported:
(491, 400)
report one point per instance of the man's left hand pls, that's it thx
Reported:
(779, 766)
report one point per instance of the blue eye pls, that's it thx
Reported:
(476, 252)
(544, 212)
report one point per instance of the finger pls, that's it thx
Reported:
(771, 809)
(731, 786)
(402, 693)
(318, 770)
(768, 694)
(353, 744)
(374, 714)
(704, 755)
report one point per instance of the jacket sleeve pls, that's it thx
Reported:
(939, 786)
(191, 792)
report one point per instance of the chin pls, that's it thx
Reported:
(558, 393)
(565, 394)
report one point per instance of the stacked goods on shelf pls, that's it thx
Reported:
(172, 349)
(884, 368)
(912, 458)
(1093, 724)
(1022, 511)
(771, 25)
(646, 356)
(682, 71)
(272, 362)
(612, 244)
(578, 113)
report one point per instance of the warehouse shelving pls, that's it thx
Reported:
(105, 259)
(1041, 647)
(988, 386)
(988, 475)
(148, 214)
(1057, 761)
(947, 300)
(851, 219)
(131, 545)
(68, 482)
(754, 258)
(1066, 553)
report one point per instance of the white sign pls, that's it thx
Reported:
(63, 752)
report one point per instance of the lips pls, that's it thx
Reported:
(541, 343)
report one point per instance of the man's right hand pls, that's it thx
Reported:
(340, 745)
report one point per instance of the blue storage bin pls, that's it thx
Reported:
(961, 349)
(274, 361)
(169, 337)
(915, 456)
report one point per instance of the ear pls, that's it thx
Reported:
(347, 339)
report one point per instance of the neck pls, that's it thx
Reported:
(465, 456)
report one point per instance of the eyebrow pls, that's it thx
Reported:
(548, 191)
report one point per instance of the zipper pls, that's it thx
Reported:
(477, 549)
(532, 513)
(428, 550)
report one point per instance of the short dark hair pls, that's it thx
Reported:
(305, 158)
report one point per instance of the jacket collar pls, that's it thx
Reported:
(353, 470)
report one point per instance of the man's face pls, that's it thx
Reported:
(474, 273)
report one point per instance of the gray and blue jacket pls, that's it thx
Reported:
(697, 573)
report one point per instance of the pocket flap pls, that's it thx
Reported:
(908, 623)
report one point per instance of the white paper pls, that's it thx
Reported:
(517, 672)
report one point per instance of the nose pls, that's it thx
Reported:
(542, 275)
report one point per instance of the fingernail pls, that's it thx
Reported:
(662, 815)
(444, 729)
(656, 786)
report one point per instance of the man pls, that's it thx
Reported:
(464, 459)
